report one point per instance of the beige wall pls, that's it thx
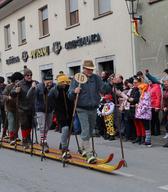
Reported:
(114, 30)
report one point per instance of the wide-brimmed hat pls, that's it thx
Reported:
(17, 76)
(88, 64)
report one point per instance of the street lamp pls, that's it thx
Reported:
(132, 6)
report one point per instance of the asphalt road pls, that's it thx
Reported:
(147, 170)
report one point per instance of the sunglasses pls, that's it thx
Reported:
(29, 75)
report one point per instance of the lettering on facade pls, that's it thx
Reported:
(83, 41)
(12, 60)
(45, 51)
(57, 47)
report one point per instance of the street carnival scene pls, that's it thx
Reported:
(83, 95)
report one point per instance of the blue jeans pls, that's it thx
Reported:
(11, 121)
(87, 120)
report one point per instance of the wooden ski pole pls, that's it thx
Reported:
(45, 125)
(35, 129)
(32, 139)
(67, 117)
(119, 126)
(16, 122)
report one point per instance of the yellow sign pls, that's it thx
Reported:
(45, 51)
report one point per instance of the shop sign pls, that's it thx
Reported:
(83, 41)
(12, 60)
(44, 51)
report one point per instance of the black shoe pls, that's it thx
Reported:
(143, 140)
(111, 138)
(106, 136)
(60, 146)
(45, 145)
(25, 144)
(66, 154)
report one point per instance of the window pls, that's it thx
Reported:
(21, 31)
(104, 6)
(7, 37)
(72, 12)
(43, 15)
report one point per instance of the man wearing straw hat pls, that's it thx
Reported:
(88, 100)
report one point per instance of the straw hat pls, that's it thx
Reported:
(88, 64)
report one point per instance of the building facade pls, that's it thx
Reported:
(58, 35)
(152, 54)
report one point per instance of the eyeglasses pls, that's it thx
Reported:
(29, 75)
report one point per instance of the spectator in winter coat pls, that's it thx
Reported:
(165, 108)
(143, 111)
(156, 95)
(3, 120)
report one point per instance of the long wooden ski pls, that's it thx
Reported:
(107, 168)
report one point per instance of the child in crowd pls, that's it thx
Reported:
(106, 110)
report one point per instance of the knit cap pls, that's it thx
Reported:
(63, 79)
(27, 71)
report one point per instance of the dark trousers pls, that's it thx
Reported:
(155, 123)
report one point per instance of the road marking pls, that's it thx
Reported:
(135, 177)
(124, 174)
(165, 187)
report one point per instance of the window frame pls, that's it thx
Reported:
(22, 32)
(97, 10)
(72, 17)
(7, 37)
(42, 22)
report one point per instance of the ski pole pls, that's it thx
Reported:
(77, 142)
(45, 125)
(119, 127)
(71, 125)
(67, 117)
(35, 130)
(93, 147)
(32, 138)
(16, 122)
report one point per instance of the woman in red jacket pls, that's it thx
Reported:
(156, 95)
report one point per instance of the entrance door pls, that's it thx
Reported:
(74, 70)
(106, 63)
(106, 66)
(45, 72)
